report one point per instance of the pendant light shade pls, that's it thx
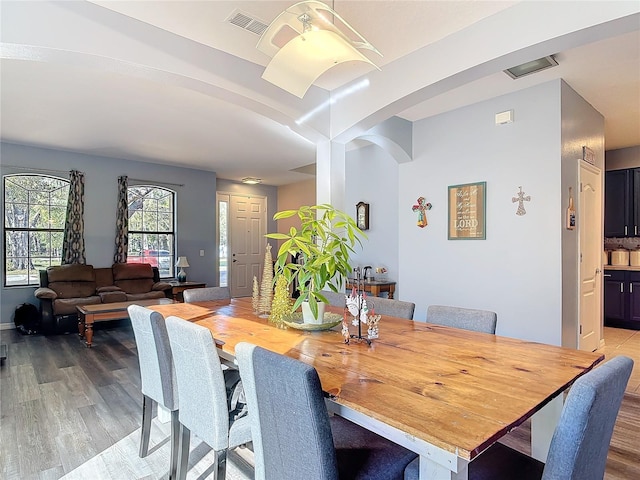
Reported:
(306, 40)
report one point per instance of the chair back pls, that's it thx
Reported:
(201, 387)
(580, 443)
(157, 374)
(393, 308)
(335, 299)
(289, 421)
(466, 318)
(192, 295)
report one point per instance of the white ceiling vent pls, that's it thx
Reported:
(247, 22)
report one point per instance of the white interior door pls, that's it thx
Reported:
(591, 241)
(247, 225)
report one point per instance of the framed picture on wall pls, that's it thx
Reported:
(467, 211)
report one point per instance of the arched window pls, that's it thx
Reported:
(34, 213)
(151, 227)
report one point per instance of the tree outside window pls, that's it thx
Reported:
(34, 213)
(151, 227)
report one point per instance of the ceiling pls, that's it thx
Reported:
(173, 82)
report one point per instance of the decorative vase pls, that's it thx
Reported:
(182, 276)
(307, 314)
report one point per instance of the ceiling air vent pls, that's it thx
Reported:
(247, 22)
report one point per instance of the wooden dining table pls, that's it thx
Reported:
(447, 394)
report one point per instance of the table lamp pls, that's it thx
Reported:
(182, 263)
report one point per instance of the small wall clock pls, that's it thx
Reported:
(362, 215)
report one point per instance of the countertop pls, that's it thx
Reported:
(622, 267)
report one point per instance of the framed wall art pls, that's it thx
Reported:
(467, 211)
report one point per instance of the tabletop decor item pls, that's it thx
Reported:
(521, 198)
(281, 305)
(255, 296)
(357, 307)
(467, 211)
(266, 287)
(323, 245)
(421, 207)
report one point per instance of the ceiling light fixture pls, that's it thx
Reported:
(306, 40)
(251, 180)
(531, 67)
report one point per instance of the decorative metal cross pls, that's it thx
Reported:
(521, 198)
(421, 207)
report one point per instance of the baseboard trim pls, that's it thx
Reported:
(7, 326)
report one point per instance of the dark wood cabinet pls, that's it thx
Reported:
(621, 196)
(622, 299)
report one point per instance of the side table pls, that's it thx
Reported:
(178, 287)
(374, 287)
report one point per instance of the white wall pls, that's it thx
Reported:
(516, 271)
(372, 177)
(582, 126)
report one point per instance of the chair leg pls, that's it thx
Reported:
(145, 431)
(183, 453)
(175, 444)
(221, 461)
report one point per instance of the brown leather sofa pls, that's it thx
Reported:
(63, 288)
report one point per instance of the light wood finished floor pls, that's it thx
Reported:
(71, 412)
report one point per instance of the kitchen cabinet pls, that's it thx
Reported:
(622, 299)
(621, 198)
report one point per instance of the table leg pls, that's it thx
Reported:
(81, 325)
(375, 290)
(392, 289)
(88, 323)
(543, 424)
(432, 470)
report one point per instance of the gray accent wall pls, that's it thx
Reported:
(195, 205)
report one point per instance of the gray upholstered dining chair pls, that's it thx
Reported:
(466, 318)
(158, 380)
(580, 442)
(202, 395)
(293, 435)
(393, 308)
(192, 295)
(335, 299)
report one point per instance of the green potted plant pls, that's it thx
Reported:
(324, 244)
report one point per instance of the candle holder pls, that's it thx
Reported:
(356, 306)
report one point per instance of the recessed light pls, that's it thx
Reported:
(531, 67)
(251, 180)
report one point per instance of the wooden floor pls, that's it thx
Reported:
(66, 410)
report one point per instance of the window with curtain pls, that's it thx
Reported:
(152, 227)
(34, 215)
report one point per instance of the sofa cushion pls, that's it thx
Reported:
(111, 297)
(75, 272)
(140, 285)
(110, 288)
(73, 289)
(130, 271)
(65, 306)
(145, 296)
(104, 277)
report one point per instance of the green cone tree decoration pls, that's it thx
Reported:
(266, 287)
(281, 306)
(255, 299)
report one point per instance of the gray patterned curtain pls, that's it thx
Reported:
(73, 243)
(122, 222)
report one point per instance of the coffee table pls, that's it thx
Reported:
(88, 314)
